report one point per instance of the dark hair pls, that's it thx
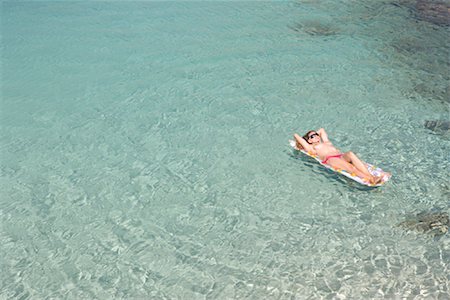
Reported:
(306, 136)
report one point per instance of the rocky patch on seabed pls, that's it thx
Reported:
(315, 28)
(426, 48)
(433, 11)
(436, 12)
(439, 126)
(434, 223)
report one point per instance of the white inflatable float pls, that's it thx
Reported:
(372, 169)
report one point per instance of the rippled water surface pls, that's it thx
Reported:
(144, 150)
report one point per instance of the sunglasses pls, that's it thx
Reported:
(312, 136)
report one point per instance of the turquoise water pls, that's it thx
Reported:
(144, 150)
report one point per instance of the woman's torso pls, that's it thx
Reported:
(325, 149)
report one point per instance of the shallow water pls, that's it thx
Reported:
(144, 150)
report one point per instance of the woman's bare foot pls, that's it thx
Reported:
(376, 179)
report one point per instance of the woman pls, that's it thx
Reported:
(317, 143)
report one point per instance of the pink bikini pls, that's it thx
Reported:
(332, 156)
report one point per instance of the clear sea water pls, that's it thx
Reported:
(144, 150)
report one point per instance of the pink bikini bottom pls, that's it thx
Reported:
(332, 156)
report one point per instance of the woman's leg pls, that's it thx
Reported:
(340, 163)
(354, 160)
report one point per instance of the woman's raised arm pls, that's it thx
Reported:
(323, 135)
(304, 144)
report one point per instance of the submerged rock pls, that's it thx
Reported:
(436, 223)
(315, 28)
(436, 12)
(438, 125)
